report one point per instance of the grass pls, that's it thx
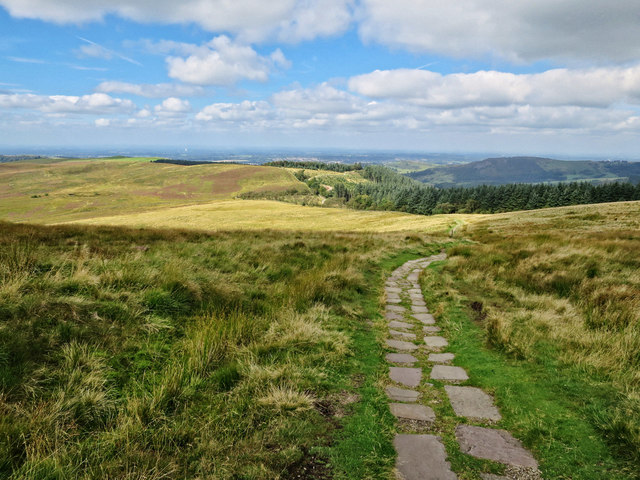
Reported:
(48, 191)
(553, 296)
(257, 214)
(154, 354)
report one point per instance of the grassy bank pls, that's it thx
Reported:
(554, 296)
(171, 354)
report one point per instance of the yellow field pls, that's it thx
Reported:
(266, 214)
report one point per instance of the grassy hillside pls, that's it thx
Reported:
(262, 214)
(48, 191)
(558, 292)
(499, 171)
(130, 354)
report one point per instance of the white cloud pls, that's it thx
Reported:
(158, 90)
(599, 87)
(172, 107)
(96, 103)
(244, 111)
(102, 122)
(326, 108)
(522, 30)
(287, 20)
(223, 62)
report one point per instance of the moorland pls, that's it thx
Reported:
(167, 321)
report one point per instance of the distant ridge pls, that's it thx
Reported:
(500, 171)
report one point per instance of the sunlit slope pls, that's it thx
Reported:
(48, 191)
(265, 214)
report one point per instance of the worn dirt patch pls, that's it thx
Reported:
(309, 468)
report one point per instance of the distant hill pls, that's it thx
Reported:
(499, 171)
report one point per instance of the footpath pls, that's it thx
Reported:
(415, 338)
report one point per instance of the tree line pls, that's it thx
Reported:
(388, 190)
(313, 165)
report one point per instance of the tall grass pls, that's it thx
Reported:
(128, 354)
(564, 286)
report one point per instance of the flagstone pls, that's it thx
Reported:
(435, 342)
(402, 394)
(422, 457)
(472, 403)
(401, 345)
(497, 445)
(448, 373)
(413, 412)
(405, 358)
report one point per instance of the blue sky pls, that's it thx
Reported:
(527, 77)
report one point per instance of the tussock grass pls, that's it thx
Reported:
(563, 285)
(131, 354)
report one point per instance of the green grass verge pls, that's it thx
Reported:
(544, 404)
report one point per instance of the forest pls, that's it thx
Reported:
(388, 190)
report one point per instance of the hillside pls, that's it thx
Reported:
(52, 190)
(499, 171)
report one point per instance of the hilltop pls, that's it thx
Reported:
(500, 171)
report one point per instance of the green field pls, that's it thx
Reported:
(173, 330)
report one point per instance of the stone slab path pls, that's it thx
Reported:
(492, 444)
(423, 456)
(472, 402)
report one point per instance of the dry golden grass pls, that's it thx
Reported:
(564, 283)
(265, 214)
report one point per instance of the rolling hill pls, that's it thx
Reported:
(500, 171)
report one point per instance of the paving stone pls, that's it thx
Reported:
(407, 376)
(407, 335)
(491, 476)
(425, 318)
(401, 345)
(402, 394)
(422, 457)
(448, 373)
(415, 285)
(436, 342)
(431, 329)
(397, 324)
(418, 303)
(395, 308)
(393, 316)
(413, 412)
(416, 291)
(416, 295)
(441, 357)
(497, 445)
(472, 402)
(394, 300)
(413, 277)
(419, 309)
(406, 358)
(393, 290)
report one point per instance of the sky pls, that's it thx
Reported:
(512, 77)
